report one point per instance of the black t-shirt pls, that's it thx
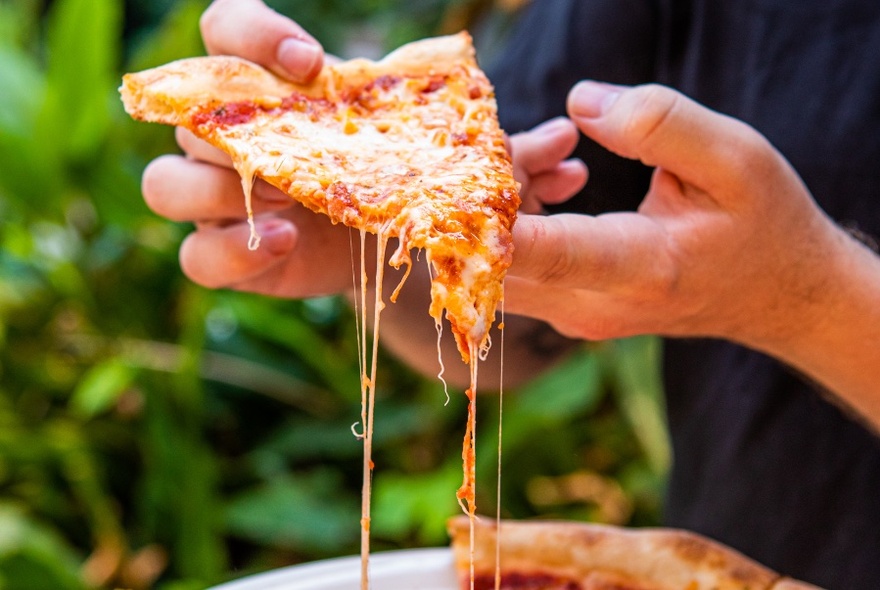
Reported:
(762, 461)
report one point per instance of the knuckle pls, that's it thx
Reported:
(153, 185)
(215, 21)
(557, 262)
(749, 157)
(652, 105)
(559, 267)
(656, 287)
(665, 283)
(192, 263)
(208, 21)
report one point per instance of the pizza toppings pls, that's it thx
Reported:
(525, 581)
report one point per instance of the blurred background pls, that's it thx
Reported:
(154, 434)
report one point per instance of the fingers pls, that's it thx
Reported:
(219, 257)
(663, 128)
(617, 252)
(252, 30)
(539, 165)
(540, 149)
(186, 190)
(555, 186)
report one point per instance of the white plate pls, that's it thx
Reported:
(411, 569)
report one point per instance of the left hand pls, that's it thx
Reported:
(727, 242)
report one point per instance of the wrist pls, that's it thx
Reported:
(829, 327)
(805, 293)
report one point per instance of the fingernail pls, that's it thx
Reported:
(298, 58)
(591, 100)
(276, 235)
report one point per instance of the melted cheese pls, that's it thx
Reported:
(385, 170)
(430, 171)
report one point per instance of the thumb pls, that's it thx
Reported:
(664, 128)
(252, 30)
(614, 252)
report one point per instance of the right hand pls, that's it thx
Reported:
(301, 254)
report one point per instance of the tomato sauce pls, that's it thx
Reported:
(522, 581)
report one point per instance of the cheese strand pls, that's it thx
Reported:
(498, 482)
(367, 411)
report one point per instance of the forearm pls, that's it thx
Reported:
(837, 342)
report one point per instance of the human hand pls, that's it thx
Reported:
(727, 242)
(301, 254)
(540, 165)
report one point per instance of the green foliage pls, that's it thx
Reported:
(155, 434)
(32, 555)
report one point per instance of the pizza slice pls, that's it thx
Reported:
(408, 147)
(545, 555)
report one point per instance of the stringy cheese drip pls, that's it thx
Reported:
(498, 474)
(248, 176)
(467, 492)
(368, 385)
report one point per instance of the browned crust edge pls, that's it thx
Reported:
(168, 93)
(663, 558)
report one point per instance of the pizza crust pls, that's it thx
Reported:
(588, 556)
(167, 94)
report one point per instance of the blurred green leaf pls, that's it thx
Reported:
(83, 48)
(27, 170)
(634, 366)
(300, 511)
(177, 499)
(176, 36)
(572, 387)
(419, 504)
(23, 88)
(101, 387)
(302, 339)
(18, 21)
(300, 441)
(32, 556)
(182, 585)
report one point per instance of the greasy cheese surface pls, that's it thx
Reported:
(417, 158)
